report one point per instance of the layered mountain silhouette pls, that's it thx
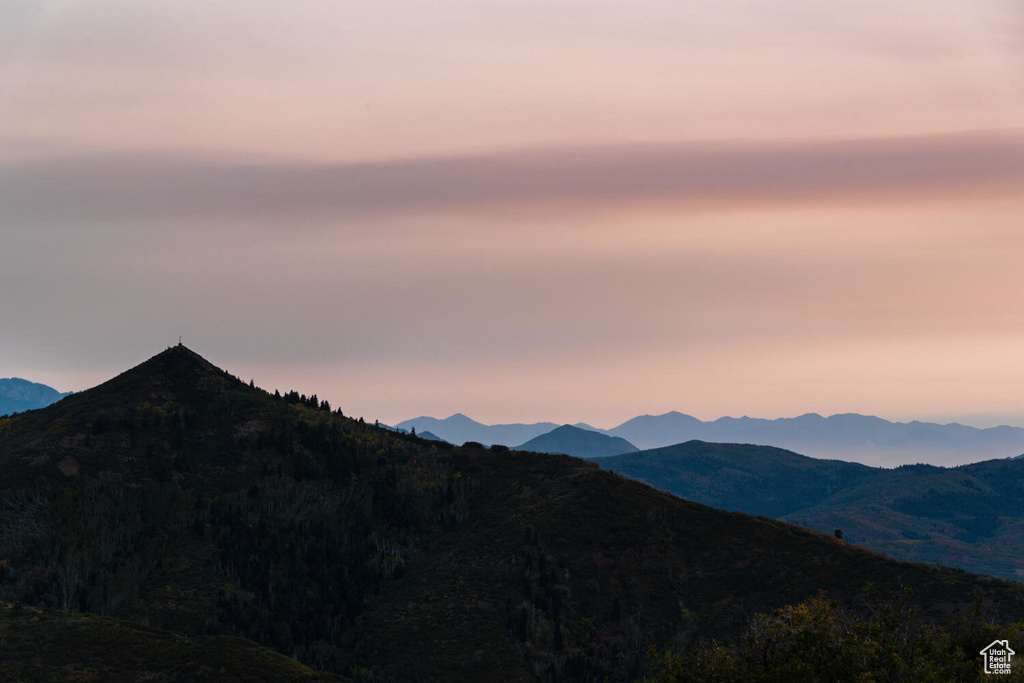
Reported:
(458, 429)
(429, 436)
(179, 500)
(856, 438)
(18, 395)
(859, 438)
(968, 516)
(571, 440)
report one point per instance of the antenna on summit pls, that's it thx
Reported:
(179, 340)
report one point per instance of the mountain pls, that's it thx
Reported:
(758, 480)
(859, 438)
(850, 437)
(177, 499)
(459, 429)
(968, 516)
(429, 436)
(18, 395)
(651, 431)
(579, 442)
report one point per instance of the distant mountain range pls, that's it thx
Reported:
(968, 517)
(571, 440)
(857, 438)
(18, 395)
(458, 429)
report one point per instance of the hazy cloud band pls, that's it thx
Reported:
(159, 186)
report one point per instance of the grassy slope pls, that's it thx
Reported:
(45, 645)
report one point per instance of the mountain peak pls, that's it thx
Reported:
(461, 419)
(177, 362)
(176, 374)
(579, 442)
(181, 354)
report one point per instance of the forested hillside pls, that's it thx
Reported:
(177, 497)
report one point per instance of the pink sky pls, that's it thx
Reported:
(559, 210)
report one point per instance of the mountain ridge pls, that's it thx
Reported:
(967, 516)
(853, 437)
(459, 429)
(18, 395)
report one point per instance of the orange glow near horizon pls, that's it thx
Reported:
(524, 211)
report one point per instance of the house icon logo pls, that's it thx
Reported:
(996, 656)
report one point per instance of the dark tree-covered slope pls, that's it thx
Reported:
(176, 495)
(179, 498)
(969, 517)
